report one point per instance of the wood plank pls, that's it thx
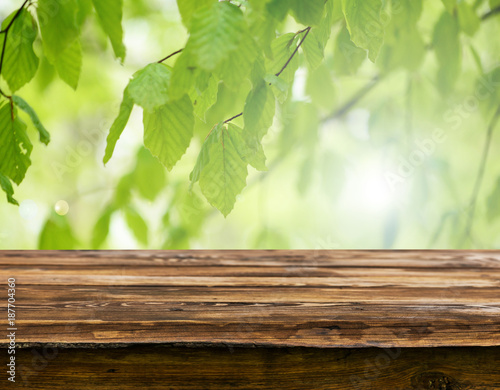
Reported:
(159, 367)
(334, 299)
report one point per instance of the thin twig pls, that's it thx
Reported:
(234, 117)
(490, 13)
(341, 111)
(306, 30)
(170, 55)
(480, 174)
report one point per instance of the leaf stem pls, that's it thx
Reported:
(234, 117)
(170, 55)
(306, 30)
(480, 174)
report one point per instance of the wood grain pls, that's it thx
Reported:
(342, 299)
(158, 368)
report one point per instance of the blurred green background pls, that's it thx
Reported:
(332, 183)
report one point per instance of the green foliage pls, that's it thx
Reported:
(215, 32)
(69, 64)
(309, 12)
(188, 7)
(57, 234)
(168, 130)
(223, 175)
(364, 24)
(15, 146)
(23, 105)
(448, 51)
(110, 16)
(7, 188)
(243, 68)
(20, 61)
(149, 86)
(58, 26)
(60, 23)
(119, 124)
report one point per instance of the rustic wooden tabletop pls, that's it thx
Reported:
(191, 319)
(278, 298)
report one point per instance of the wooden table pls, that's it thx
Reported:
(254, 319)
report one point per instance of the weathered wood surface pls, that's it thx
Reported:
(343, 299)
(156, 367)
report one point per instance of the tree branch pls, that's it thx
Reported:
(170, 55)
(491, 13)
(480, 174)
(296, 50)
(341, 111)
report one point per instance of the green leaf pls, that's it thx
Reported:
(249, 147)
(215, 33)
(110, 16)
(168, 130)
(307, 12)
(364, 24)
(20, 61)
(184, 74)
(224, 176)
(58, 25)
(447, 47)
(494, 4)
(278, 9)
(149, 175)
(84, 10)
(69, 64)
(347, 57)
(188, 7)
(408, 51)
(493, 203)
(123, 190)
(203, 100)
(282, 49)
(57, 234)
(15, 146)
(467, 19)
(118, 125)
(204, 155)
(101, 228)
(6, 186)
(137, 224)
(149, 86)
(450, 5)
(280, 87)
(237, 67)
(258, 113)
(313, 50)
(333, 12)
(23, 105)
(262, 28)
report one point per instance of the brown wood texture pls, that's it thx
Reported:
(172, 368)
(342, 299)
